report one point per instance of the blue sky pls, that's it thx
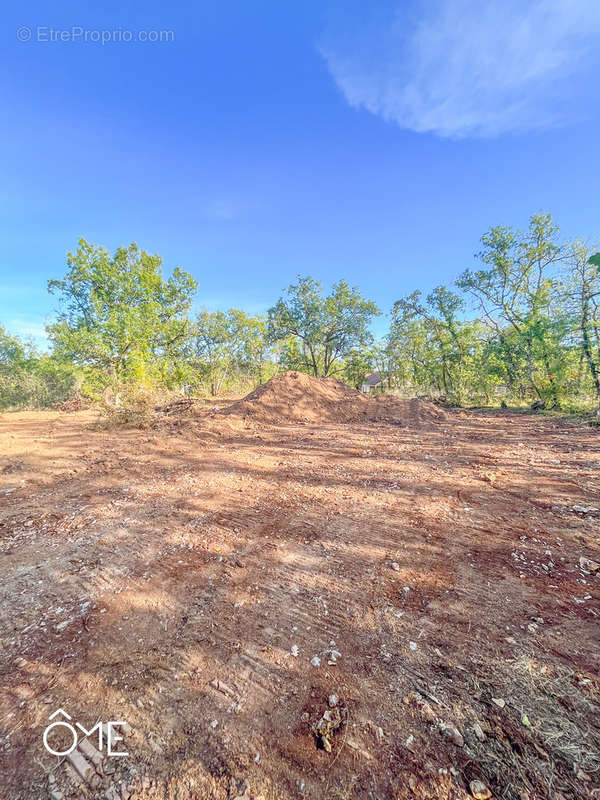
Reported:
(374, 142)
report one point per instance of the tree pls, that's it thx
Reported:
(29, 378)
(119, 316)
(226, 345)
(514, 292)
(357, 365)
(432, 347)
(322, 330)
(584, 292)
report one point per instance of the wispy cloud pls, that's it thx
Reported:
(222, 210)
(461, 68)
(28, 328)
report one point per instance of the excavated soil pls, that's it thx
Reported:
(297, 397)
(214, 587)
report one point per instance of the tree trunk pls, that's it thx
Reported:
(587, 349)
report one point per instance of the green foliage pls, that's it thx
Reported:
(319, 331)
(359, 363)
(433, 349)
(119, 317)
(29, 379)
(121, 324)
(515, 292)
(134, 405)
(228, 348)
(536, 336)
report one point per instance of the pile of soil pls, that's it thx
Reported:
(297, 397)
(416, 411)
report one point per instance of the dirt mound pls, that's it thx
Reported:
(415, 411)
(297, 397)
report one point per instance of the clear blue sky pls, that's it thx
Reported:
(370, 141)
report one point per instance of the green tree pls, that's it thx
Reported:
(32, 379)
(583, 292)
(515, 293)
(321, 331)
(228, 345)
(357, 365)
(119, 316)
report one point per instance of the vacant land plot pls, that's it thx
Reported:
(390, 605)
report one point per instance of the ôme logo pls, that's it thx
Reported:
(104, 730)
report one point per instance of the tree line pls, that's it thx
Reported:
(522, 327)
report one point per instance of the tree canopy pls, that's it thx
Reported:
(522, 326)
(320, 331)
(226, 345)
(118, 314)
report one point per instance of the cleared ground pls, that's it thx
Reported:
(213, 581)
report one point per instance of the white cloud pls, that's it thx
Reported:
(473, 67)
(28, 328)
(35, 329)
(222, 209)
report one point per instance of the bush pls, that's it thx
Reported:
(29, 379)
(132, 404)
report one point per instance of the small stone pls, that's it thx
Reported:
(498, 701)
(294, 651)
(478, 731)
(83, 768)
(479, 790)
(412, 645)
(395, 566)
(333, 700)
(55, 794)
(452, 733)
(315, 661)
(588, 565)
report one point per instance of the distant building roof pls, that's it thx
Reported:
(373, 379)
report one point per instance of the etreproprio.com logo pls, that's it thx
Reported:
(79, 34)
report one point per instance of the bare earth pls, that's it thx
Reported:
(184, 579)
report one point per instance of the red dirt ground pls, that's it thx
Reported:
(432, 557)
